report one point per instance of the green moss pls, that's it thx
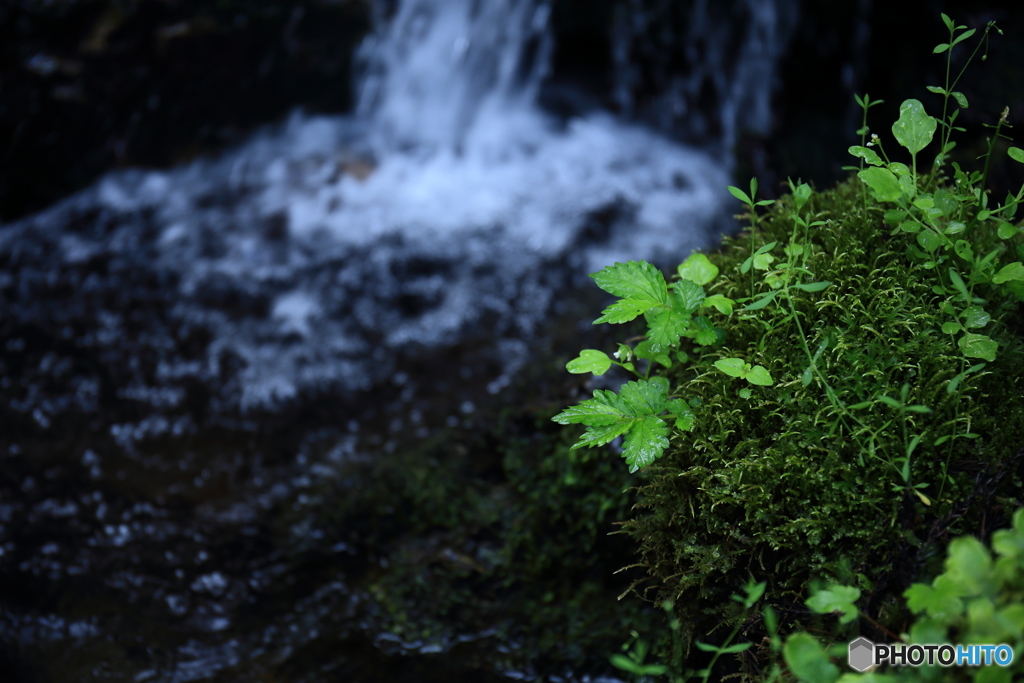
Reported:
(780, 486)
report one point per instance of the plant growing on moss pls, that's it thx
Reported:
(846, 384)
(977, 599)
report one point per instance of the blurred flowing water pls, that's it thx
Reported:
(192, 358)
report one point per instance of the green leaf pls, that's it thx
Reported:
(636, 280)
(808, 660)
(734, 648)
(590, 360)
(644, 397)
(740, 195)
(928, 240)
(941, 600)
(698, 268)
(960, 99)
(901, 170)
(964, 251)
(914, 128)
(605, 408)
(744, 393)
(837, 599)
(867, 154)
(813, 286)
(1016, 153)
(955, 228)
(734, 367)
(688, 296)
(1006, 231)
(703, 332)
(884, 185)
(958, 282)
(962, 37)
(645, 442)
(665, 329)
(1011, 271)
(975, 316)
(951, 328)
(644, 350)
(723, 304)
(939, 49)
(682, 413)
(936, 89)
(947, 21)
(760, 376)
(978, 346)
(624, 310)
(762, 302)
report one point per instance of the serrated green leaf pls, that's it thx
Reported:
(645, 442)
(698, 268)
(683, 414)
(624, 310)
(978, 346)
(760, 376)
(600, 435)
(605, 408)
(590, 360)
(644, 396)
(867, 154)
(883, 183)
(703, 332)
(914, 128)
(636, 280)
(837, 599)
(1011, 271)
(687, 296)
(665, 329)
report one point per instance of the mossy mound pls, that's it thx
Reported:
(789, 486)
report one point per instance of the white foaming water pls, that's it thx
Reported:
(447, 197)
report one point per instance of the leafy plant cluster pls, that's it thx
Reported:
(823, 388)
(977, 599)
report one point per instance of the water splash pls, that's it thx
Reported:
(314, 253)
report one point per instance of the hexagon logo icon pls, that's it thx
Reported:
(861, 654)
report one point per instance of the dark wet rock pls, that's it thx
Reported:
(92, 84)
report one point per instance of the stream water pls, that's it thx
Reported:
(229, 390)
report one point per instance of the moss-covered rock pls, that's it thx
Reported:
(788, 485)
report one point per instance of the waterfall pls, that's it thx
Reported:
(438, 71)
(314, 254)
